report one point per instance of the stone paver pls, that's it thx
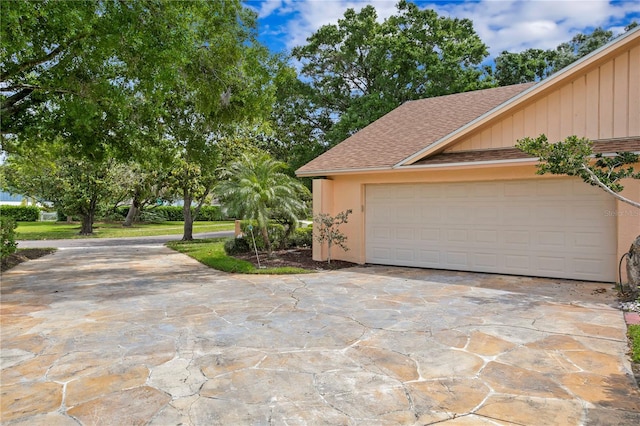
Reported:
(129, 335)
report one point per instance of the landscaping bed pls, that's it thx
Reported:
(23, 255)
(295, 258)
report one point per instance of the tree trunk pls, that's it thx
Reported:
(633, 269)
(265, 237)
(88, 216)
(188, 219)
(329, 252)
(133, 211)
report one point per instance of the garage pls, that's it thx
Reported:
(559, 228)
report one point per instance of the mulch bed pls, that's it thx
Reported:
(22, 256)
(298, 258)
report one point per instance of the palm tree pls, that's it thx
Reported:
(255, 187)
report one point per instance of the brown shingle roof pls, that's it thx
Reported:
(408, 129)
(498, 154)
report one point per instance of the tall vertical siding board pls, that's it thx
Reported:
(566, 111)
(542, 122)
(530, 121)
(496, 134)
(506, 138)
(606, 100)
(621, 96)
(553, 116)
(579, 113)
(593, 104)
(634, 92)
(518, 125)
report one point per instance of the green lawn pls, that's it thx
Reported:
(634, 338)
(61, 230)
(211, 253)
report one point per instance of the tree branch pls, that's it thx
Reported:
(608, 190)
(37, 61)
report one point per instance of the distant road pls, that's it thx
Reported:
(105, 242)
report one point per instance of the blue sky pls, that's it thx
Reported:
(501, 24)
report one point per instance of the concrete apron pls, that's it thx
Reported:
(144, 335)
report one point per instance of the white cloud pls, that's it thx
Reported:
(502, 25)
(265, 7)
(518, 25)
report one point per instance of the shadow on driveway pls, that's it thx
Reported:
(140, 334)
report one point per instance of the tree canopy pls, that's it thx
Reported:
(537, 64)
(112, 81)
(255, 187)
(359, 69)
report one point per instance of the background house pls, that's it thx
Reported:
(437, 183)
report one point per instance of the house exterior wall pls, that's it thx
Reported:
(343, 192)
(600, 103)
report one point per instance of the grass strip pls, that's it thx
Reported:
(211, 253)
(62, 230)
(634, 339)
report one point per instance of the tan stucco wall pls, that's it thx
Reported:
(600, 103)
(628, 218)
(345, 192)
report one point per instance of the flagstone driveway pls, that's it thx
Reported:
(139, 334)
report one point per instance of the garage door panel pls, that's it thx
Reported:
(456, 214)
(486, 260)
(552, 265)
(429, 257)
(458, 190)
(485, 189)
(486, 236)
(550, 240)
(457, 258)
(457, 236)
(554, 228)
(515, 263)
(585, 213)
(406, 234)
(486, 215)
(518, 189)
(429, 235)
(432, 213)
(406, 213)
(516, 238)
(517, 215)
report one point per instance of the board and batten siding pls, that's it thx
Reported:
(602, 103)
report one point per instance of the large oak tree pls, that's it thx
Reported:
(360, 68)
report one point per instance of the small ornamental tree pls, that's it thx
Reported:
(574, 157)
(327, 230)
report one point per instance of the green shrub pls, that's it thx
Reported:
(153, 216)
(302, 237)
(20, 213)
(237, 246)
(114, 215)
(275, 230)
(170, 213)
(8, 231)
(211, 213)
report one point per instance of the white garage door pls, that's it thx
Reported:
(549, 228)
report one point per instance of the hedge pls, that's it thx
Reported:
(161, 213)
(20, 213)
(8, 236)
(174, 213)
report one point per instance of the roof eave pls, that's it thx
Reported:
(340, 171)
(522, 96)
(518, 161)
